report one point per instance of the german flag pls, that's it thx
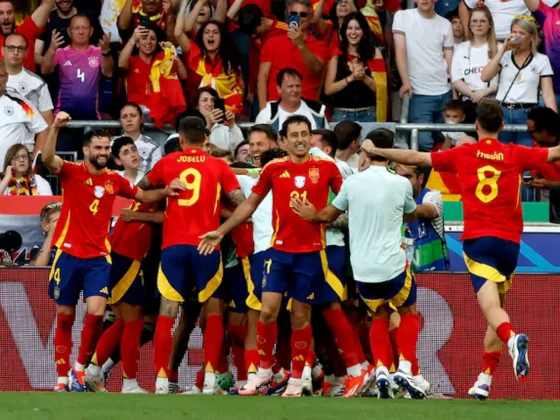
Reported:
(447, 183)
(167, 100)
(27, 108)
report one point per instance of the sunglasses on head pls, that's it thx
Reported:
(300, 14)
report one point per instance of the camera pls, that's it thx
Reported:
(10, 241)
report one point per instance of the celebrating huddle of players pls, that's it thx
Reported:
(278, 295)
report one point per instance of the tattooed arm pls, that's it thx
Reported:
(236, 197)
(341, 222)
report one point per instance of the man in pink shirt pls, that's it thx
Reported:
(80, 66)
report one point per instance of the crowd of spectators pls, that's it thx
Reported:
(233, 61)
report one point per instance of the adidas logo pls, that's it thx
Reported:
(104, 290)
(67, 63)
(285, 174)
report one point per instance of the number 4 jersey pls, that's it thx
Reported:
(490, 176)
(87, 208)
(196, 210)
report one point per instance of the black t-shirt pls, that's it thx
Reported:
(61, 25)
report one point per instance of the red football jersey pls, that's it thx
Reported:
(197, 209)
(309, 181)
(87, 207)
(242, 237)
(490, 176)
(133, 239)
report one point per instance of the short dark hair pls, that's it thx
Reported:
(249, 18)
(381, 138)
(17, 34)
(239, 146)
(490, 115)
(294, 119)
(188, 113)
(287, 71)
(88, 137)
(118, 144)
(272, 154)
(263, 128)
(454, 105)
(328, 138)
(193, 130)
(205, 89)
(452, 15)
(347, 132)
(221, 153)
(545, 119)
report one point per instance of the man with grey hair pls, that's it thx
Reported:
(298, 50)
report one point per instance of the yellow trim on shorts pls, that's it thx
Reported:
(252, 301)
(124, 283)
(165, 288)
(401, 297)
(489, 273)
(213, 284)
(54, 267)
(332, 280)
(373, 304)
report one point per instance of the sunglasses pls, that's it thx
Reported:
(300, 14)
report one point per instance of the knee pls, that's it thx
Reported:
(269, 314)
(299, 319)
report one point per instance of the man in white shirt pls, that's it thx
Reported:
(424, 52)
(17, 118)
(275, 113)
(378, 260)
(27, 84)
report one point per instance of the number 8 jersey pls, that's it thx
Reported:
(490, 175)
(196, 210)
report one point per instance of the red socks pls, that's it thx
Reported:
(213, 340)
(393, 335)
(343, 335)
(301, 343)
(490, 362)
(505, 331)
(311, 358)
(163, 341)
(408, 338)
(251, 360)
(358, 345)
(130, 347)
(266, 338)
(92, 329)
(380, 343)
(108, 342)
(238, 334)
(63, 343)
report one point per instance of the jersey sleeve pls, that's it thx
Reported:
(444, 161)
(435, 199)
(264, 183)
(228, 179)
(471, 4)
(267, 52)
(448, 35)
(126, 189)
(68, 169)
(45, 100)
(341, 200)
(335, 181)
(531, 158)
(545, 69)
(456, 66)
(409, 203)
(155, 176)
(58, 57)
(37, 123)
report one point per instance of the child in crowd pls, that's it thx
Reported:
(453, 113)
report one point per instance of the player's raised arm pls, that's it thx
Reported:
(406, 157)
(211, 240)
(48, 155)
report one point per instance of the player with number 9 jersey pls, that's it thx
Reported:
(189, 215)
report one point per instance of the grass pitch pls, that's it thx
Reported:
(47, 406)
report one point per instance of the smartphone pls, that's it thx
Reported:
(144, 21)
(219, 104)
(293, 22)
(527, 178)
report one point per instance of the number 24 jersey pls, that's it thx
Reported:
(196, 210)
(490, 176)
(308, 181)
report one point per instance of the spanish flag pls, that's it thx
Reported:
(379, 74)
(373, 20)
(228, 85)
(447, 183)
(167, 100)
